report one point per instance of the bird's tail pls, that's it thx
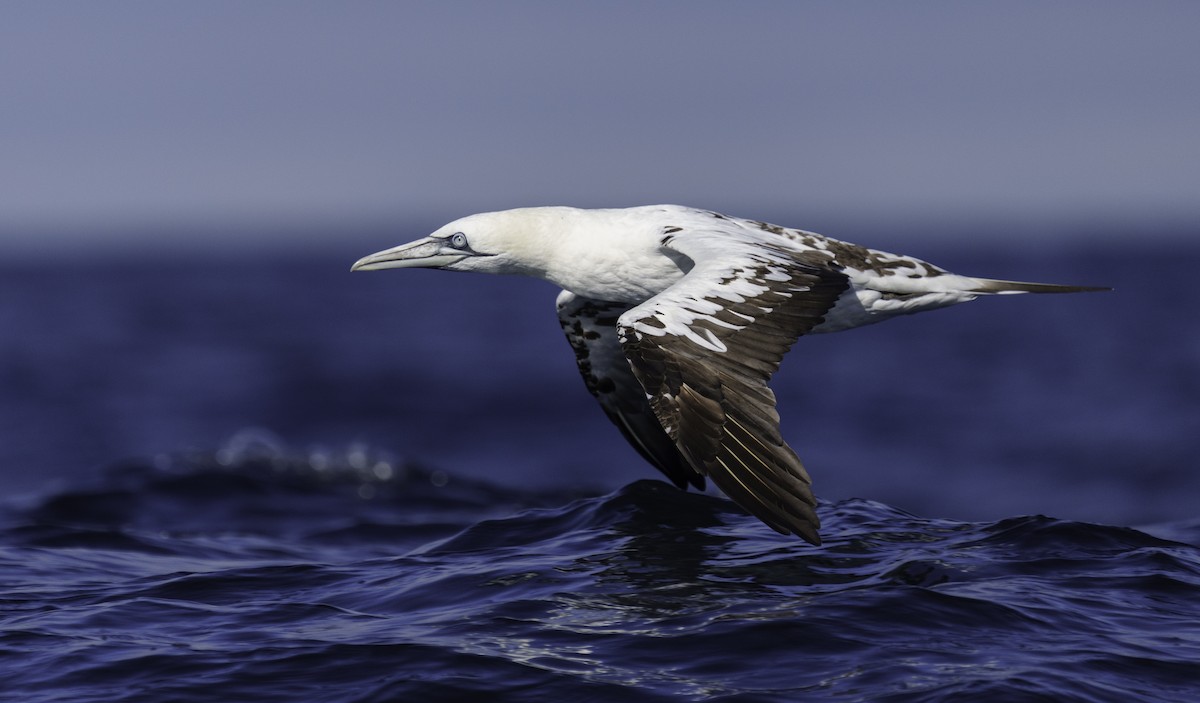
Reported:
(990, 285)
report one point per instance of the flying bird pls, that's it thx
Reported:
(678, 318)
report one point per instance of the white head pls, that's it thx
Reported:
(511, 241)
(609, 254)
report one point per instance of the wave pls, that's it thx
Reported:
(260, 573)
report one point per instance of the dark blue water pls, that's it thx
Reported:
(269, 480)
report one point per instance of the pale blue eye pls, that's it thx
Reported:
(458, 240)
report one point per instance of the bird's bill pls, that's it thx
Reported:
(423, 253)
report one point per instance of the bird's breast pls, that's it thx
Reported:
(619, 276)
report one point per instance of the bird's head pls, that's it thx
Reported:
(512, 241)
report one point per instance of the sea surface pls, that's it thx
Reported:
(262, 478)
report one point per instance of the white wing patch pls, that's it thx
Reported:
(697, 307)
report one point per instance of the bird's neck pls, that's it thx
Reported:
(595, 255)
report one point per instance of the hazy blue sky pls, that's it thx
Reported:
(122, 115)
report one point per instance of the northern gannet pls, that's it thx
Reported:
(678, 318)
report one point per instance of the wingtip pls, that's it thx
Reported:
(804, 531)
(809, 536)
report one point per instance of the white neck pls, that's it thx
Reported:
(608, 255)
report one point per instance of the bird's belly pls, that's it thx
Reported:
(860, 306)
(851, 310)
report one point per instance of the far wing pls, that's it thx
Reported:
(591, 328)
(704, 350)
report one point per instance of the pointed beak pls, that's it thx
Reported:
(423, 253)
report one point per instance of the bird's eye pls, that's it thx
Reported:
(458, 240)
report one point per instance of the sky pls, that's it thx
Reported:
(155, 119)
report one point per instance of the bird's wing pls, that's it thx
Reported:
(705, 348)
(591, 329)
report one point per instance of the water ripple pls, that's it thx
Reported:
(256, 575)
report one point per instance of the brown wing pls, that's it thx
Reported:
(704, 350)
(591, 329)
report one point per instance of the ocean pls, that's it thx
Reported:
(263, 478)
